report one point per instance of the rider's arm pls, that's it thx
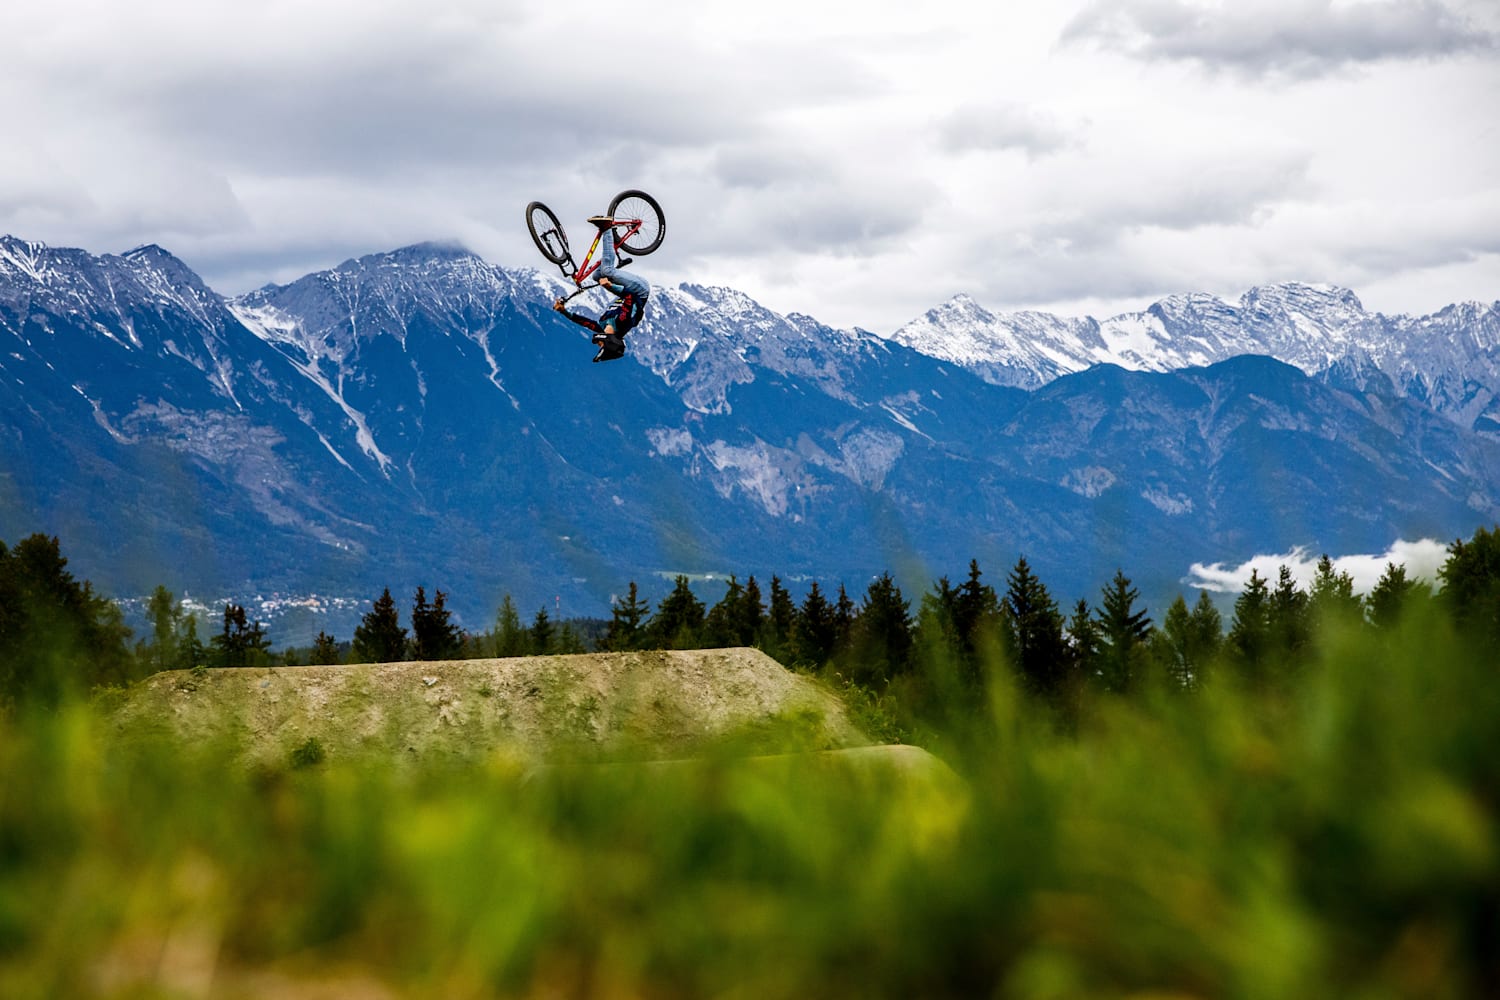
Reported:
(581, 320)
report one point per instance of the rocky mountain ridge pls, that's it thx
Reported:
(422, 417)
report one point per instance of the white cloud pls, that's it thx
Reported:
(1422, 560)
(857, 169)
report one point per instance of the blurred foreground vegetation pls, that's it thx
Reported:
(1287, 814)
(1333, 837)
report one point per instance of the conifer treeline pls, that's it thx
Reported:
(57, 634)
(971, 628)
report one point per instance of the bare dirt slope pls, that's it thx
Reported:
(599, 705)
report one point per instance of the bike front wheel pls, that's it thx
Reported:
(638, 206)
(547, 233)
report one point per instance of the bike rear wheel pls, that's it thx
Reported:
(547, 233)
(633, 205)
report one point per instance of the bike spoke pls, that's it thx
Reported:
(636, 212)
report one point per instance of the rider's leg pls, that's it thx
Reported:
(607, 257)
(609, 268)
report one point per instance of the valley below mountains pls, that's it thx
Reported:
(422, 417)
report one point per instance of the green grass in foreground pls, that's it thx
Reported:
(1336, 838)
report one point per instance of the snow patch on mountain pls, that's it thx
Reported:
(279, 329)
(23, 256)
(767, 475)
(1449, 360)
(868, 455)
(1173, 505)
(670, 441)
(1090, 481)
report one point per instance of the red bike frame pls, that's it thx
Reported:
(584, 271)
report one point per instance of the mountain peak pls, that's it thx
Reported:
(147, 251)
(19, 254)
(14, 244)
(430, 250)
(963, 303)
(425, 254)
(1302, 295)
(152, 261)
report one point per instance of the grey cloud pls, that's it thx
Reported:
(789, 204)
(411, 91)
(760, 167)
(828, 219)
(1030, 278)
(1291, 38)
(1410, 240)
(992, 128)
(1187, 196)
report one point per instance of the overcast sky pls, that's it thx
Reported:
(859, 166)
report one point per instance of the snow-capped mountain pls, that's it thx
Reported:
(1449, 360)
(423, 417)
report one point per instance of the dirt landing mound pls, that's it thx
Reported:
(625, 705)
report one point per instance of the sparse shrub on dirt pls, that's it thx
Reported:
(308, 753)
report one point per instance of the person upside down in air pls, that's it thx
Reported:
(622, 315)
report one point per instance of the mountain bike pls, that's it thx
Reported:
(639, 228)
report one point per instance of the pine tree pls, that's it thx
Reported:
(1392, 595)
(1206, 635)
(1471, 585)
(325, 650)
(813, 629)
(567, 639)
(1172, 642)
(420, 609)
(1250, 628)
(1041, 654)
(625, 623)
(844, 614)
(880, 646)
(56, 635)
(1084, 640)
(752, 614)
(434, 636)
(510, 638)
(379, 638)
(257, 646)
(1124, 632)
(229, 645)
(1291, 628)
(541, 633)
(976, 613)
(242, 643)
(1331, 599)
(164, 616)
(721, 624)
(190, 649)
(776, 631)
(1189, 640)
(936, 626)
(678, 621)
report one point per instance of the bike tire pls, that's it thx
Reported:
(640, 205)
(547, 233)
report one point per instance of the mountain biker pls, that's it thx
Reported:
(625, 312)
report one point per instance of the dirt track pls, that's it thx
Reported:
(626, 705)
